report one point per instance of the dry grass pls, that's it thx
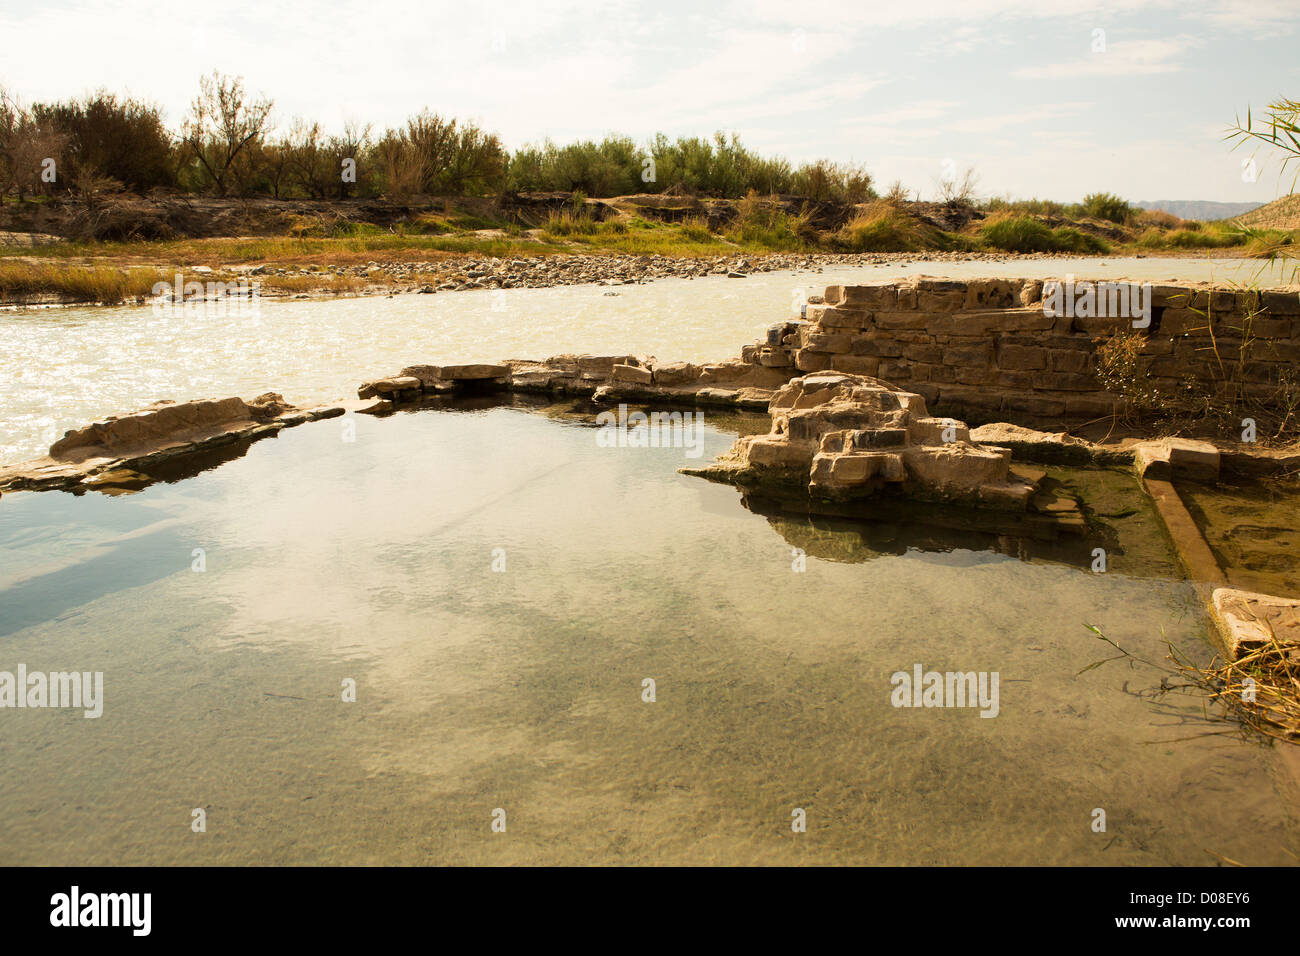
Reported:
(23, 281)
(1158, 219)
(1258, 694)
(1261, 691)
(1233, 388)
(884, 226)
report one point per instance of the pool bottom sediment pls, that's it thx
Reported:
(500, 588)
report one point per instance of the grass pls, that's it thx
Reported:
(763, 226)
(884, 227)
(21, 281)
(1273, 673)
(659, 239)
(94, 271)
(1192, 236)
(1013, 233)
(696, 230)
(568, 223)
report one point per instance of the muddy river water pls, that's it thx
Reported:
(62, 368)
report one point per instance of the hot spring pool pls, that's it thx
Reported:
(521, 688)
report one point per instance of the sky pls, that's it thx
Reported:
(1047, 99)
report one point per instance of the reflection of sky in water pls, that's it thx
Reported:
(477, 690)
(71, 366)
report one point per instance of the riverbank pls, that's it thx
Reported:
(116, 279)
(354, 248)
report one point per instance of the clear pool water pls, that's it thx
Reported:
(522, 689)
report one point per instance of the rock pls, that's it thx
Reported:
(631, 373)
(428, 375)
(472, 373)
(679, 373)
(160, 421)
(1057, 448)
(117, 481)
(1168, 458)
(389, 387)
(1248, 621)
(600, 366)
(840, 436)
(117, 451)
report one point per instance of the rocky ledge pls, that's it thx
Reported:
(114, 454)
(739, 382)
(841, 437)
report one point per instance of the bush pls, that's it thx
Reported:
(764, 223)
(123, 139)
(882, 227)
(826, 181)
(568, 223)
(1032, 207)
(1190, 236)
(1160, 219)
(697, 230)
(1027, 234)
(1107, 206)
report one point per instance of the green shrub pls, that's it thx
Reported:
(1107, 206)
(764, 223)
(697, 230)
(1027, 234)
(569, 224)
(882, 227)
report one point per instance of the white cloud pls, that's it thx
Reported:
(1121, 58)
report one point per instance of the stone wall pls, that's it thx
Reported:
(984, 349)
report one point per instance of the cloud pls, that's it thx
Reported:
(1261, 17)
(1122, 58)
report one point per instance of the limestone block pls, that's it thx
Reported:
(871, 297)
(678, 373)
(857, 364)
(774, 358)
(1249, 621)
(631, 373)
(937, 431)
(807, 360)
(1021, 358)
(471, 373)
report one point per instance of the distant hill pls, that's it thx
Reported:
(1281, 213)
(1201, 209)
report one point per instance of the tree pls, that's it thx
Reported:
(959, 193)
(350, 146)
(222, 125)
(33, 149)
(306, 161)
(121, 139)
